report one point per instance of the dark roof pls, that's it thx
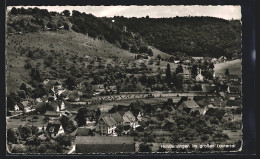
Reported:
(44, 98)
(54, 105)
(117, 117)
(235, 88)
(109, 120)
(208, 88)
(53, 127)
(83, 132)
(233, 103)
(103, 140)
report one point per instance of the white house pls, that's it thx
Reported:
(54, 128)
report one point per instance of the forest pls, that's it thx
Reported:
(193, 36)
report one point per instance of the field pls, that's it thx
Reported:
(15, 122)
(235, 67)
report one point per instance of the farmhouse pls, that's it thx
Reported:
(106, 125)
(103, 144)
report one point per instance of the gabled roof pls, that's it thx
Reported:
(233, 103)
(53, 127)
(190, 104)
(222, 94)
(109, 121)
(117, 117)
(54, 105)
(44, 98)
(130, 115)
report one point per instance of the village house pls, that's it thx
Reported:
(217, 101)
(74, 97)
(234, 89)
(129, 118)
(112, 88)
(104, 144)
(54, 128)
(222, 59)
(199, 77)
(189, 105)
(98, 88)
(209, 88)
(24, 105)
(106, 125)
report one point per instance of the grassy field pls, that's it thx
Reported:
(16, 122)
(235, 67)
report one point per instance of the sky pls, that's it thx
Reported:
(225, 12)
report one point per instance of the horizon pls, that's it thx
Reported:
(222, 12)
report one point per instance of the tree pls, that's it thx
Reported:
(13, 136)
(81, 116)
(66, 13)
(179, 69)
(168, 78)
(25, 132)
(134, 49)
(98, 113)
(34, 129)
(70, 82)
(144, 148)
(23, 87)
(143, 49)
(211, 66)
(119, 129)
(150, 52)
(14, 11)
(66, 26)
(11, 101)
(34, 140)
(227, 72)
(194, 70)
(204, 138)
(64, 140)
(125, 45)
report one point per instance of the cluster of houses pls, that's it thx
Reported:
(107, 122)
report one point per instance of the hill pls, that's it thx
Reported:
(234, 67)
(195, 36)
